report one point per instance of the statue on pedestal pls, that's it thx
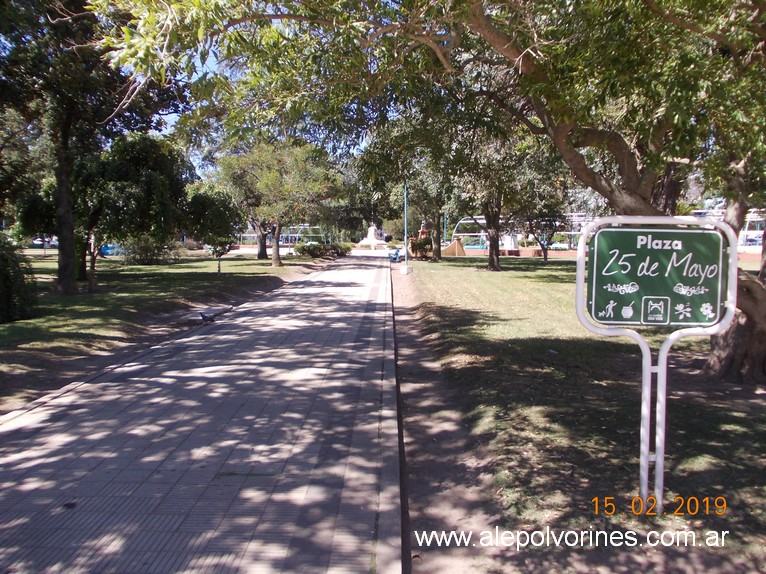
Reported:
(372, 237)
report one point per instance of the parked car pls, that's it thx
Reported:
(41, 242)
(110, 249)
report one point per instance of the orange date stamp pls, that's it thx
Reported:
(680, 506)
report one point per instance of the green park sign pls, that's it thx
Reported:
(675, 272)
(666, 276)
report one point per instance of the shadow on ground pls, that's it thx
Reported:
(235, 448)
(47, 356)
(559, 419)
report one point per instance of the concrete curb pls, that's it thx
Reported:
(389, 549)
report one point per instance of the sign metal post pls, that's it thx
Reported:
(671, 272)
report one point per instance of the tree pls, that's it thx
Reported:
(428, 193)
(538, 199)
(21, 167)
(594, 74)
(35, 212)
(213, 218)
(350, 60)
(279, 184)
(136, 188)
(620, 80)
(357, 202)
(152, 175)
(511, 178)
(736, 162)
(27, 185)
(474, 163)
(54, 76)
(241, 174)
(406, 152)
(485, 185)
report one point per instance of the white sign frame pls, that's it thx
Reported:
(658, 457)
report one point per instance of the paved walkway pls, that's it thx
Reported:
(266, 441)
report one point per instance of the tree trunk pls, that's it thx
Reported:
(91, 246)
(436, 237)
(276, 260)
(93, 253)
(82, 258)
(262, 234)
(541, 241)
(741, 349)
(263, 237)
(64, 197)
(762, 270)
(493, 240)
(667, 190)
(492, 208)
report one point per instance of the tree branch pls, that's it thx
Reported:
(685, 24)
(425, 40)
(736, 49)
(134, 87)
(276, 17)
(513, 111)
(627, 165)
(622, 200)
(481, 24)
(66, 15)
(378, 30)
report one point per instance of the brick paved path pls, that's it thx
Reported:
(264, 442)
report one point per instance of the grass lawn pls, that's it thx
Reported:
(560, 409)
(129, 304)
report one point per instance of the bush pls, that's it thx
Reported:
(316, 250)
(144, 250)
(193, 244)
(18, 299)
(421, 247)
(313, 250)
(341, 249)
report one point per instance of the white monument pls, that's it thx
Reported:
(372, 238)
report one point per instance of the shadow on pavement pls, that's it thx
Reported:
(253, 442)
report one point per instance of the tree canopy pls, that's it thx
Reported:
(279, 184)
(53, 75)
(144, 181)
(625, 79)
(213, 217)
